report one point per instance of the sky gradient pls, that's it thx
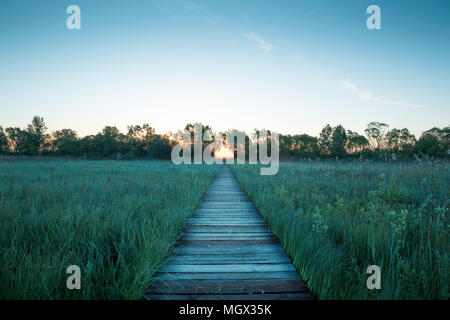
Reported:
(288, 66)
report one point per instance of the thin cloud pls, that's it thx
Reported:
(260, 42)
(368, 96)
(190, 5)
(347, 85)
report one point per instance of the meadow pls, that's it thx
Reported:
(117, 220)
(334, 219)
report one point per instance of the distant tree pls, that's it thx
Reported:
(29, 141)
(325, 139)
(141, 141)
(305, 145)
(400, 140)
(149, 134)
(66, 133)
(160, 148)
(4, 147)
(18, 140)
(134, 132)
(65, 142)
(338, 142)
(429, 145)
(356, 142)
(136, 142)
(36, 135)
(87, 147)
(434, 142)
(106, 142)
(375, 133)
(286, 146)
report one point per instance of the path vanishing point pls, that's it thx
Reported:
(227, 251)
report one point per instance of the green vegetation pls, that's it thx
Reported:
(335, 219)
(116, 220)
(143, 142)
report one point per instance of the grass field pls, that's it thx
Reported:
(336, 219)
(116, 220)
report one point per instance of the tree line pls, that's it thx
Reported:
(378, 142)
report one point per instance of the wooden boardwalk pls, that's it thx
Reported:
(228, 252)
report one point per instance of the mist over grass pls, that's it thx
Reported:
(335, 219)
(116, 220)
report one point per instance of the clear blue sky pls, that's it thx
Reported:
(289, 66)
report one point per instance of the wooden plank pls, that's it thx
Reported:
(227, 220)
(227, 251)
(229, 229)
(228, 275)
(229, 259)
(231, 205)
(227, 234)
(220, 216)
(224, 223)
(227, 210)
(221, 201)
(234, 237)
(226, 192)
(227, 286)
(258, 297)
(265, 248)
(228, 242)
(226, 214)
(207, 222)
(251, 232)
(229, 268)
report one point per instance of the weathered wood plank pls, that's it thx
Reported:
(224, 223)
(258, 297)
(227, 252)
(253, 209)
(249, 218)
(229, 217)
(229, 229)
(227, 234)
(229, 259)
(264, 248)
(227, 286)
(229, 275)
(228, 220)
(234, 237)
(229, 268)
(228, 242)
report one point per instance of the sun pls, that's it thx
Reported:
(224, 153)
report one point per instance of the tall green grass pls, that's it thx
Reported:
(116, 220)
(336, 219)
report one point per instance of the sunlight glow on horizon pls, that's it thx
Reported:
(224, 153)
